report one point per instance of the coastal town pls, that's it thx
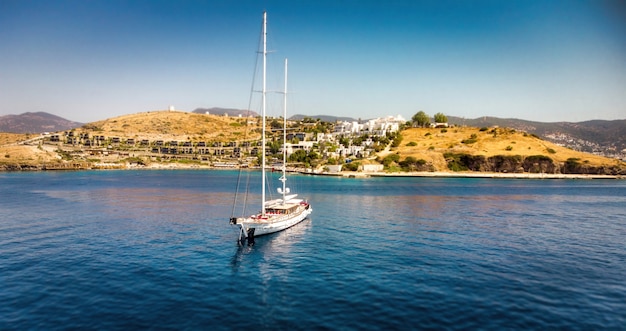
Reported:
(341, 140)
(388, 146)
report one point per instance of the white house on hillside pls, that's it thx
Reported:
(303, 145)
(377, 126)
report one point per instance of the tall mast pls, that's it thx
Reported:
(283, 178)
(263, 92)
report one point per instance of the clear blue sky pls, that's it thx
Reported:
(552, 60)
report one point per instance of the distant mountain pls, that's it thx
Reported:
(598, 136)
(35, 123)
(324, 118)
(243, 112)
(225, 111)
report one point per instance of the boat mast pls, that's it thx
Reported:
(263, 92)
(283, 178)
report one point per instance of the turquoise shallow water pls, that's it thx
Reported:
(154, 250)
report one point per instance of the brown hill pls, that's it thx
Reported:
(24, 151)
(35, 123)
(598, 136)
(11, 138)
(437, 146)
(177, 125)
(16, 154)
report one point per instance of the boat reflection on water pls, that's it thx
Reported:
(278, 244)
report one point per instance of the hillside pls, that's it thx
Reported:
(597, 136)
(14, 152)
(438, 146)
(24, 151)
(167, 125)
(607, 138)
(11, 138)
(35, 123)
(173, 136)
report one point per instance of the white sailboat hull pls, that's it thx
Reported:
(272, 223)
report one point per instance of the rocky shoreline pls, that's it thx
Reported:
(346, 174)
(492, 175)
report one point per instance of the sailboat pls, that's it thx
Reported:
(286, 211)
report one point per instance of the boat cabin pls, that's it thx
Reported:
(282, 209)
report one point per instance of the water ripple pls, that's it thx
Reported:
(153, 250)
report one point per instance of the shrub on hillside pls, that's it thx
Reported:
(470, 140)
(413, 164)
(391, 158)
(396, 141)
(352, 166)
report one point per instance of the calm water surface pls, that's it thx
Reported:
(154, 250)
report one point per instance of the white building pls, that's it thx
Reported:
(377, 126)
(303, 145)
(373, 167)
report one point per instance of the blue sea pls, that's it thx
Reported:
(124, 250)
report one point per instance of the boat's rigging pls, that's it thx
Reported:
(263, 105)
(246, 131)
(263, 51)
(283, 177)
